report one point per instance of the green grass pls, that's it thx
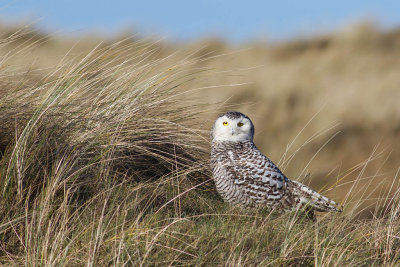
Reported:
(104, 163)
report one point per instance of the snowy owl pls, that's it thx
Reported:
(244, 176)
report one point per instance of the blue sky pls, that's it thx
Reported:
(236, 21)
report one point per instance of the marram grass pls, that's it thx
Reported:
(102, 164)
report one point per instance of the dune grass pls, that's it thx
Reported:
(103, 162)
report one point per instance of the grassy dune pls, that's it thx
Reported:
(104, 149)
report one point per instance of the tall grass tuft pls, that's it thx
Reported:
(106, 122)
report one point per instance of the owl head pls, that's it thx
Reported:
(232, 126)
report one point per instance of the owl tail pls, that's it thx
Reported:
(318, 202)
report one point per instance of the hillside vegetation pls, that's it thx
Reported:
(104, 149)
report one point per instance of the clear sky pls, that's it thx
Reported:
(233, 20)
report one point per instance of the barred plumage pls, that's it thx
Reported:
(244, 176)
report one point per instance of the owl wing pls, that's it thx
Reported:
(262, 179)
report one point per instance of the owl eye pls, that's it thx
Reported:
(225, 123)
(240, 124)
